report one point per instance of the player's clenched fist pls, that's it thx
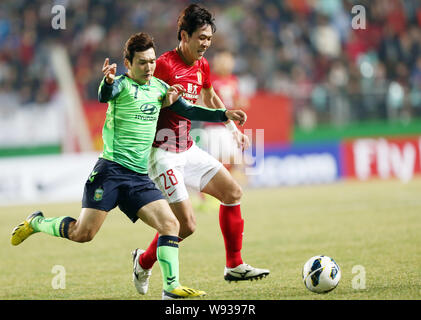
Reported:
(109, 71)
(173, 93)
(237, 115)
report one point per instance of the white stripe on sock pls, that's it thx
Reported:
(230, 205)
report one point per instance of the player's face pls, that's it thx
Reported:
(143, 66)
(199, 42)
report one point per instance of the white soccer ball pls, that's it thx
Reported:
(321, 274)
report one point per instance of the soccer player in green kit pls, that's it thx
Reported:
(119, 177)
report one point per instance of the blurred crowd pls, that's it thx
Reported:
(307, 49)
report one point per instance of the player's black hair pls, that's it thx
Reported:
(137, 42)
(192, 18)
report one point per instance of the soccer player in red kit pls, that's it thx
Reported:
(176, 162)
(218, 140)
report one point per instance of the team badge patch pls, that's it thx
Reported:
(98, 194)
(199, 77)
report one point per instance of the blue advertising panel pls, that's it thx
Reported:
(298, 164)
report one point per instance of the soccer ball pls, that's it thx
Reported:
(321, 274)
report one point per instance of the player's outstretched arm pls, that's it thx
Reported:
(109, 87)
(199, 113)
(195, 112)
(237, 115)
(212, 100)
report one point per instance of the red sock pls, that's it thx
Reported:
(232, 227)
(148, 258)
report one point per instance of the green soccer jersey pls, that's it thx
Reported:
(130, 122)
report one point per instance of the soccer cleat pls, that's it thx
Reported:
(244, 272)
(182, 292)
(140, 275)
(24, 230)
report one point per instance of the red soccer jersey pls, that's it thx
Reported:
(173, 70)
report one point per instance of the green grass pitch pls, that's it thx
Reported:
(372, 229)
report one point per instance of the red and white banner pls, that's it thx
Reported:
(382, 158)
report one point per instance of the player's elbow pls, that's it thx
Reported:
(102, 99)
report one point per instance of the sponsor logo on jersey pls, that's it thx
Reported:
(148, 109)
(192, 88)
(148, 112)
(192, 93)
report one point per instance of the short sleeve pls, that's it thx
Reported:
(162, 70)
(207, 83)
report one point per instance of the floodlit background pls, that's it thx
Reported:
(334, 85)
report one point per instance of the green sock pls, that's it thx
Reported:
(167, 255)
(57, 227)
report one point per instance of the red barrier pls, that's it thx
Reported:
(273, 113)
(95, 115)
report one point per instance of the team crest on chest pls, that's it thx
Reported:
(199, 77)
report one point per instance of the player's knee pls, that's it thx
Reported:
(82, 236)
(191, 227)
(233, 195)
(170, 226)
(187, 229)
